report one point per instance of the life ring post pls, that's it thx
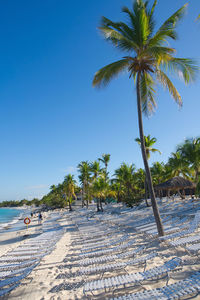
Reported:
(27, 221)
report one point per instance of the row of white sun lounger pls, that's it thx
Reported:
(99, 256)
(18, 263)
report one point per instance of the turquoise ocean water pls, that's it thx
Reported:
(9, 216)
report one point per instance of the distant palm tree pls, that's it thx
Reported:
(95, 170)
(125, 176)
(149, 142)
(177, 165)
(69, 189)
(140, 181)
(100, 190)
(151, 56)
(85, 178)
(190, 152)
(158, 171)
(105, 160)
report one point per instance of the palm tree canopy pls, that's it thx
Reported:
(69, 186)
(105, 159)
(95, 168)
(190, 152)
(147, 52)
(149, 142)
(177, 165)
(158, 171)
(84, 171)
(125, 175)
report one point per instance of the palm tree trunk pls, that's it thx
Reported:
(148, 173)
(101, 204)
(83, 197)
(98, 209)
(146, 191)
(70, 206)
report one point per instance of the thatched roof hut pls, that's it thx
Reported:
(175, 183)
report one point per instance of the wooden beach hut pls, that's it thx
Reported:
(175, 184)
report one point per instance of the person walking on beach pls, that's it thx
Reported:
(40, 218)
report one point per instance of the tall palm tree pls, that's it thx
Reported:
(105, 160)
(69, 189)
(149, 142)
(84, 177)
(151, 56)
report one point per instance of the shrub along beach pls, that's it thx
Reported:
(130, 234)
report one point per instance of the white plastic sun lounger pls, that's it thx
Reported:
(99, 241)
(20, 252)
(96, 234)
(195, 247)
(13, 280)
(149, 226)
(7, 267)
(8, 290)
(104, 251)
(189, 288)
(167, 229)
(117, 265)
(12, 273)
(186, 240)
(102, 259)
(105, 244)
(21, 258)
(191, 229)
(133, 278)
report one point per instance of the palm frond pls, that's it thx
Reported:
(139, 22)
(155, 150)
(185, 68)
(151, 19)
(160, 53)
(104, 75)
(147, 94)
(153, 8)
(167, 30)
(121, 27)
(118, 40)
(171, 22)
(166, 82)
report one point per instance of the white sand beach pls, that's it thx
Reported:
(63, 273)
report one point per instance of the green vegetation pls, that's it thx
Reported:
(126, 185)
(149, 142)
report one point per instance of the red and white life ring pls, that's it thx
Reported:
(27, 221)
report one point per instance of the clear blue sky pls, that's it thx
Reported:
(52, 118)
